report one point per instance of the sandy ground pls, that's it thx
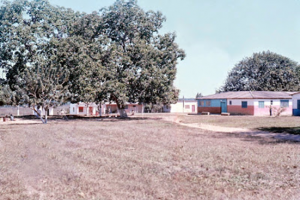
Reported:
(19, 121)
(243, 131)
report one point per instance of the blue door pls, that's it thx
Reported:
(296, 112)
(223, 107)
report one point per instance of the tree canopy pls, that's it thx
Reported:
(115, 54)
(265, 71)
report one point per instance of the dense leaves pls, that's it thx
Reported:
(141, 63)
(30, 33)
(264, 71)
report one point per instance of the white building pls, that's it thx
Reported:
(85, 109)
(188, 105)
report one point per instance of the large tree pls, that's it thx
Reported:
(30, 32)
(140, 63)
(116, 54)
(265, 71)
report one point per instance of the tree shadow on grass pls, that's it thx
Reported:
(290, 130)
(263, 140)
(59, 118)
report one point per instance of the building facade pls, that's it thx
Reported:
(93, 109)
(258, 103)
(296, 104)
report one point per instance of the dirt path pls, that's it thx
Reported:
(19, 121)
(244, 131)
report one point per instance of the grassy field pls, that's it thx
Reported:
(142, 159)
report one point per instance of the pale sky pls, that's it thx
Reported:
(217, 34)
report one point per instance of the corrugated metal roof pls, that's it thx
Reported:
(250, 95)
(187, 99)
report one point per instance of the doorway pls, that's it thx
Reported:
(91, 110)
(193, 108)
(223, 107)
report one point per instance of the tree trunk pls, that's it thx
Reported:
(38, 114)
(123, 113)
(100, 110)
(46, 114)
(87, 110)
(121, 107)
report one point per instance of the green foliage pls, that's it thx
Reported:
(141, 63)
(264, 71)
(199, 95)
(30, 32)
(115, 54)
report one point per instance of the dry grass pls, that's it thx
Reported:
(242, 121)
(142, 159)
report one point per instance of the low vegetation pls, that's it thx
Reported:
(142, 159)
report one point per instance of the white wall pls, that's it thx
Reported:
(238, 102)
(42, 111)
(254, 102)
(74, 108)
(296, 97)
(179, 108)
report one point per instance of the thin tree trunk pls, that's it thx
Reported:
(100, 110)
(46, 114)
(87, 110)
(38, 114)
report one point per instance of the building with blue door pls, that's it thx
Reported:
(296, 104)
(258, 103)
(212, 105)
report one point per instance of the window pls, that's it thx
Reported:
(230, 102)
(126, 107)
(284, 103)
(207, 103)
(73, 109)
(187, 106)
(134, 106)
(261, 104)
(80, 109)
(244, 104)
(201, 103)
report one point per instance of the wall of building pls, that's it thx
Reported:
(234, 106)
(276, 107)
(134, 108)
(81, 109)
(212, 110)
(180, 108)
(211, 105)
(296, 110)
(42, 111)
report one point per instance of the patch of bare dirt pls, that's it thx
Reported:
(244, 131)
